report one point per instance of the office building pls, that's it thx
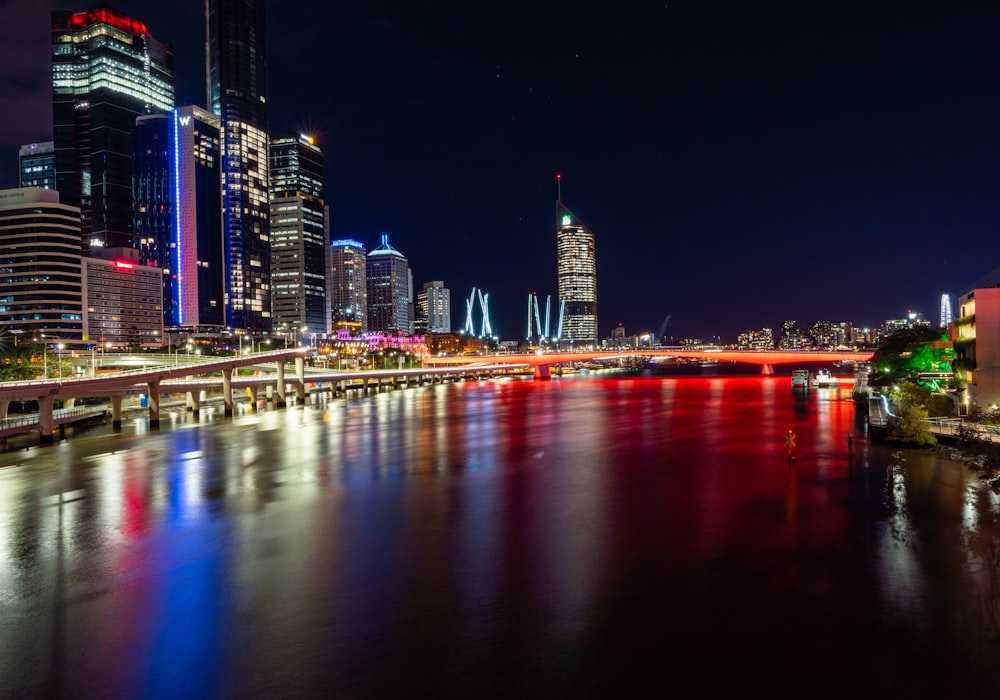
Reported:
(124, 300)
(107, 69)
(434, 305)
(577, 278)
(236, 63)
(41, 295)
(37, 165)
(390, 290)
(178, 219)
(298, 236)
(348, 286)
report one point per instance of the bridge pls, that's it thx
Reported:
(196, 379)
(542, 362)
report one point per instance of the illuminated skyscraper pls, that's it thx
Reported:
(390, 290)
(178, 219)
(236, 63)
(106, 70)
(38, 165)
(946, 314)
(298, 235)
(434, 302)
(577, 269)
(348, 286)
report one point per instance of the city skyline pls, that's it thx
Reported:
(740, 166)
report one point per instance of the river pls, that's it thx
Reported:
(593, 536)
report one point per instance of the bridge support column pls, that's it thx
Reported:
(542, 372)
(116, 411)
(45, 419)
(154, 404)
(766, 370)
(227, 391)
(69, 403)
(252, 392)
(194, 402)
(280, 400)
(4, 405)
(300, 378)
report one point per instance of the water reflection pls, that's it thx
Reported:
(499, 538)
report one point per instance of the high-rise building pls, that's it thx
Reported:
(434, 303)
(41, 294)
(107, 69)
(348, 286)
(946, 314)
(390, 290)
(236, 63)
(577, 270)
(123, 299)
(37, 163)
(178, 217)
(298, 236)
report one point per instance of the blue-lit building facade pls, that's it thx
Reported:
(178, 219)
(298, 236)
(237, 93)
(107, 69)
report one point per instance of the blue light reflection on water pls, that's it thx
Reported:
(498, 538)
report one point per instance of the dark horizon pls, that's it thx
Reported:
(738, 165)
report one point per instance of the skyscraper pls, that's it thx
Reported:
(37, 163)
(348, 284)
(390, 290)
(236, 67)
(577, 271)
(298, 235)
(40, 280)
(178, 223)
(107, 69)
(434, 302)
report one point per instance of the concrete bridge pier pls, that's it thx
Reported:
(542, 372)
(254, 392)
(300, 379)
(766, 370)
(45, 419)
(4, 405)
(280, 400)
(227, 391)
(154, 404)
(116, 411)
(194, 402)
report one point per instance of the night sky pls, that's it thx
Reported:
(740, 163)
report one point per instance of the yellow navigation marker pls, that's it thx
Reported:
(789, 439)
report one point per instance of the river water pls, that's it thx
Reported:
(589, 537)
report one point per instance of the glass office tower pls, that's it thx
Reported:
(236, 69)
(107, 69)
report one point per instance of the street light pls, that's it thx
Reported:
(60, 347)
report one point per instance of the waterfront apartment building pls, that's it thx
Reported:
(390, 290)
(41, 295)
(577, 278)
(37, 165)
(434, 305)
(236, 62)
(124, 300)
(975, 333)
(177, 164)
(298, 236)
(107, 69)
(348, 286)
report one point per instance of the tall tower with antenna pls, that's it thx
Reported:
(577, 275)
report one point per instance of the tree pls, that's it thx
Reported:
(904, 354)
(910, 426)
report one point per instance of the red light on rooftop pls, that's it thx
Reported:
(105, 15)
(124, 265)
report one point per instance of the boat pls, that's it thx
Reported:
(824, 379)
(800, 379)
